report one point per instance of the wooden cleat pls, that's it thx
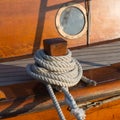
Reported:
(55, 47)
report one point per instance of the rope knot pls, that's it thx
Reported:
(78, 113)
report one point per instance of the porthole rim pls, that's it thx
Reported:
(59, 27)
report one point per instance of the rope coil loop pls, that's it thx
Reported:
(60, 71)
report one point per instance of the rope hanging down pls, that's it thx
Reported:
(62, 72)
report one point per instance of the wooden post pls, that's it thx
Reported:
(55, 47)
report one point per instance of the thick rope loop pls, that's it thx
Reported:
(54, 70)
(62, 71)
(54, 64)
(65, 58)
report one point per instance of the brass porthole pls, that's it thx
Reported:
(71, 21)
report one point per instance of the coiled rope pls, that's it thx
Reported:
(62, 72)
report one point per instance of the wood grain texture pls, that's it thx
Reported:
(108, 111)
(90, 57)
(25, 24)
(55, 47)
(31, 101)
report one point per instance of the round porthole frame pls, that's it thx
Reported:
(58, 24)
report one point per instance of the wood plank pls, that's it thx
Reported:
(55, 47)
(90, 57)
(113, 45)
(43, 102)
(88, 52)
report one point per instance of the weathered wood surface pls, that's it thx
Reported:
(90, 57)
(98, 55)
(24, 24)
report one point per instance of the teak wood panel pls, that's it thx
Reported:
(24, 24)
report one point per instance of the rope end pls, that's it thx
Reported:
(79, 113)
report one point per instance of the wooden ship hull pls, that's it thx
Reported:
(24, 25)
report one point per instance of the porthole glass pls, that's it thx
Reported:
(71, 21)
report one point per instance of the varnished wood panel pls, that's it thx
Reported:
(108, 111)
(24, 24)
(31, 101)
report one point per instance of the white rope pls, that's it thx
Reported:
(79, 113)
(61, 71)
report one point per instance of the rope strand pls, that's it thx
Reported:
(62, 72)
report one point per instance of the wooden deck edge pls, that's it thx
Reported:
(39, 102)
(96, 43)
